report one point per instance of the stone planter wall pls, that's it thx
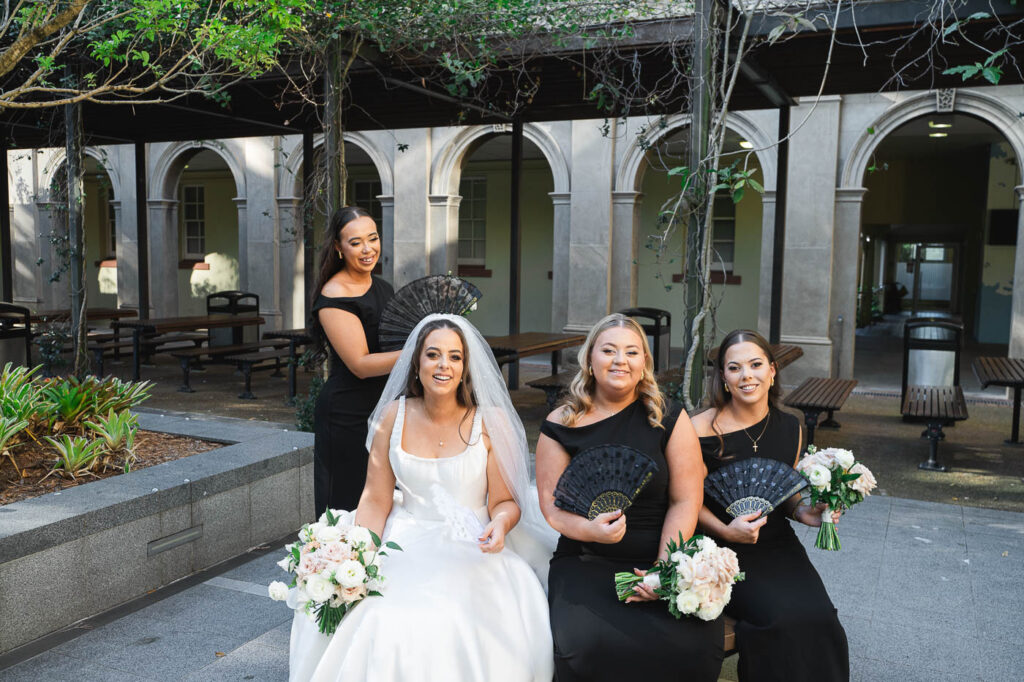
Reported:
(69, 555)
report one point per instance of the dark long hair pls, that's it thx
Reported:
(330, 264)
(413, 387)
(719, 397)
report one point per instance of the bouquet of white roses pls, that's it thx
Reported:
(838, 480)
(336, 565)
(696, 580)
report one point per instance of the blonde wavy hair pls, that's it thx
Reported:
(581, 390)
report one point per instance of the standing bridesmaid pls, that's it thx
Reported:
(615, 400)
(787, 629)
(345, 312)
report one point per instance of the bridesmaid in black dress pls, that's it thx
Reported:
(345, 312)
(614, 399)
(787, 629)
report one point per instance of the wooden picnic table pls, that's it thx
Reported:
(91, 314)
(509, 349)
(295, 338)
(1008, 372)
(141, 328)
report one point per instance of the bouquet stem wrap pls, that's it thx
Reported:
(828, 537)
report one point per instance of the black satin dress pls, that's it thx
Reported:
(596, 636)
(787, 629)
(344, 406)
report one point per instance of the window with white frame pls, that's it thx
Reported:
(111, 224)
(723, 235)
(193, 211)
(363, 193)
(473, 221)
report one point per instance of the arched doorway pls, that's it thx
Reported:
(938, 237)
(102, 211)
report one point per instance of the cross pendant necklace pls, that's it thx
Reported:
(754, 440)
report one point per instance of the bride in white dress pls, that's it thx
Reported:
(460, 601)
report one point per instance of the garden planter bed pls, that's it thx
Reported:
(68, 555)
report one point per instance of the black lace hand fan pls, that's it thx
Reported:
(755, 485)
(603, 478)
(419, 298)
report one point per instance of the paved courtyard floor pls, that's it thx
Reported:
(927, 592)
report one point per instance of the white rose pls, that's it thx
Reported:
(653, 580)
(350, 574)
(684, 569)
(278, 591)
(357, 535)
(326, 534)
(819, 477)
(845, 458)
(319, 588)
(865, 483)
(687, 602)
(711, 611)
(285, 563)
(705, 544)
(676, 557)
(826, 457)
(310, 531)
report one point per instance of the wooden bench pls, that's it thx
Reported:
(554, 386)
(816, 395)
(937, 406)
(187, 357)
(104, 345)
(252, 361)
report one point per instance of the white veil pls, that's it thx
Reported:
(532, 538)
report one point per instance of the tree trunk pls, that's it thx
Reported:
(76, 236)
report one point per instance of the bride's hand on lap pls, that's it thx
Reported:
(607, 528)
(641, 591)
(745, 529)
(492, 540)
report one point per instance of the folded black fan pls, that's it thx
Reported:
(753, 485)
(422, 297)
(603, 478)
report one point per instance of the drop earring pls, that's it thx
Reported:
(726, 386)
(340, 257)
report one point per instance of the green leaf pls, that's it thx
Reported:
(374, 537)
(392, 545)
(737, 195)
(755, 185)
(992, 74)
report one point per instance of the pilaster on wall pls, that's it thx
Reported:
(849, 201)
(764, 294)
(444, 232)
(261, 237)
(625, 246)
(292, 287)
(1017, 306)
(411, 215)
(560, 260)
(810, 215)
(127, 232)
(387, 229)
(590, 224)
(163, 257)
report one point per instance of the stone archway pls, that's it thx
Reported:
(850, 197)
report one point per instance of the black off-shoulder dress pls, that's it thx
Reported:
(344, 406)
(596, 636)
(787, 629)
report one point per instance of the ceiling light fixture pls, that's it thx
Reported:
(746, 145)
(933, 124)
(938, 134)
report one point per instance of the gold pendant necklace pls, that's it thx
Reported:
(767, 418)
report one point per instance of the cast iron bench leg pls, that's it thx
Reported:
(246, 368)
(186, 367)
(513, 375)
(935, 434)
(1015, 428)
(829, 422)
(98, 357)
(551, 395)
(277, 368)
(811, 420)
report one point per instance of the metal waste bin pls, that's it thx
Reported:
(658, 331)
(229, 303)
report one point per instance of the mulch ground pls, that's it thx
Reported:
(36, 463)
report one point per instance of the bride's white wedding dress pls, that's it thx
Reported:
(449, 611)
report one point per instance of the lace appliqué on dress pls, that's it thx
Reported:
(461, 522)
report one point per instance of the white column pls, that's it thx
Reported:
(846, 247)
(163, 257)
(764, 290)
(560, 260)
(810, 216)
(127, 230)
(387, 230)
(241, 207)
(1017, 306)
(625, 233)
(291, 291)
(411, 215)
(590, 224)
(444, 232)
